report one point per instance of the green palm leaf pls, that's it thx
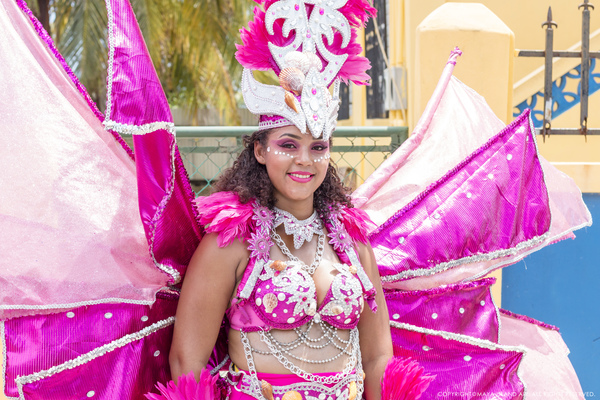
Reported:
(191, 42)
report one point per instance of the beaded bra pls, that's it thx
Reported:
(281, 294)
(287, 299)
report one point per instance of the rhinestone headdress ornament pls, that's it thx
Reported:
(310, 45)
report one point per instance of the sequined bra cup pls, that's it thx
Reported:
(281, 294)
(285, 298)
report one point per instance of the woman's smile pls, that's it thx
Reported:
(302, 177)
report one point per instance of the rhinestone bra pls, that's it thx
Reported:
(282, 294)
(285, 298)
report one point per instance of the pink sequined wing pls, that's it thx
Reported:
(492, 204)
(487, 203)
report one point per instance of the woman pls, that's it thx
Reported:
(295, 309)
(101, 328)
(288, 174)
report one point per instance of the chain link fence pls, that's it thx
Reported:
(356, 152)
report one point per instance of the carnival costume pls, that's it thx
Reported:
(86, 313)
(275, 294)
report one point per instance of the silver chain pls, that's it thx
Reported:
(330, 340)
(286, 252)
(329, 335)
(254, 383)
(350, 363)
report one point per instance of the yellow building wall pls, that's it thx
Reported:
(488, 47)
(524, 18)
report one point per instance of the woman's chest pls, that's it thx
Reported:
(286, 295)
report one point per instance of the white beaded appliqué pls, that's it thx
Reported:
(289, 281)
(301, 230)
(347, 292)
(310, 31)
(126, 129)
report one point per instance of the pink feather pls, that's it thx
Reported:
(188, 389)
(223, 213)
(404, 379)
(254, 52)
(355, 66)
(357, 224)
(358, 12)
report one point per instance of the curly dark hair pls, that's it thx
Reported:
(249, 179)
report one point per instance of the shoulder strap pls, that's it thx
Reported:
(340, 225)
(259, 244)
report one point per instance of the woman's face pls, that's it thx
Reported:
(296, 164)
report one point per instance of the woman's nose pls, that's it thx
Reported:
(303, 157)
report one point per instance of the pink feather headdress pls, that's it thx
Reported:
(310, 45)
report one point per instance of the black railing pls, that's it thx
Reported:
(549, 54)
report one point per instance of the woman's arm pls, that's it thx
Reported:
(207, 288)
(374, 329)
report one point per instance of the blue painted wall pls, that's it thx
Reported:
(560, 285)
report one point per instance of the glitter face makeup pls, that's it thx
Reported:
(296, 164)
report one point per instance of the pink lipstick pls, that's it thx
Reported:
(302, 177)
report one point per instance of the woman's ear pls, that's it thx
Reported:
(259, 152)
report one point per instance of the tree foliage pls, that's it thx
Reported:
(191, 42)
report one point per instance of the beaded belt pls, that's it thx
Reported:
(349, 388)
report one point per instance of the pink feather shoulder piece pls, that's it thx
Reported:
(357, 224)
(223, 213)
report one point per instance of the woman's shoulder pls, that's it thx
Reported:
(224, 214)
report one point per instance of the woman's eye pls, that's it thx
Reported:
(319, 147)
(288, 146)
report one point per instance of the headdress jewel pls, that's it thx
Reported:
(287, 37)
